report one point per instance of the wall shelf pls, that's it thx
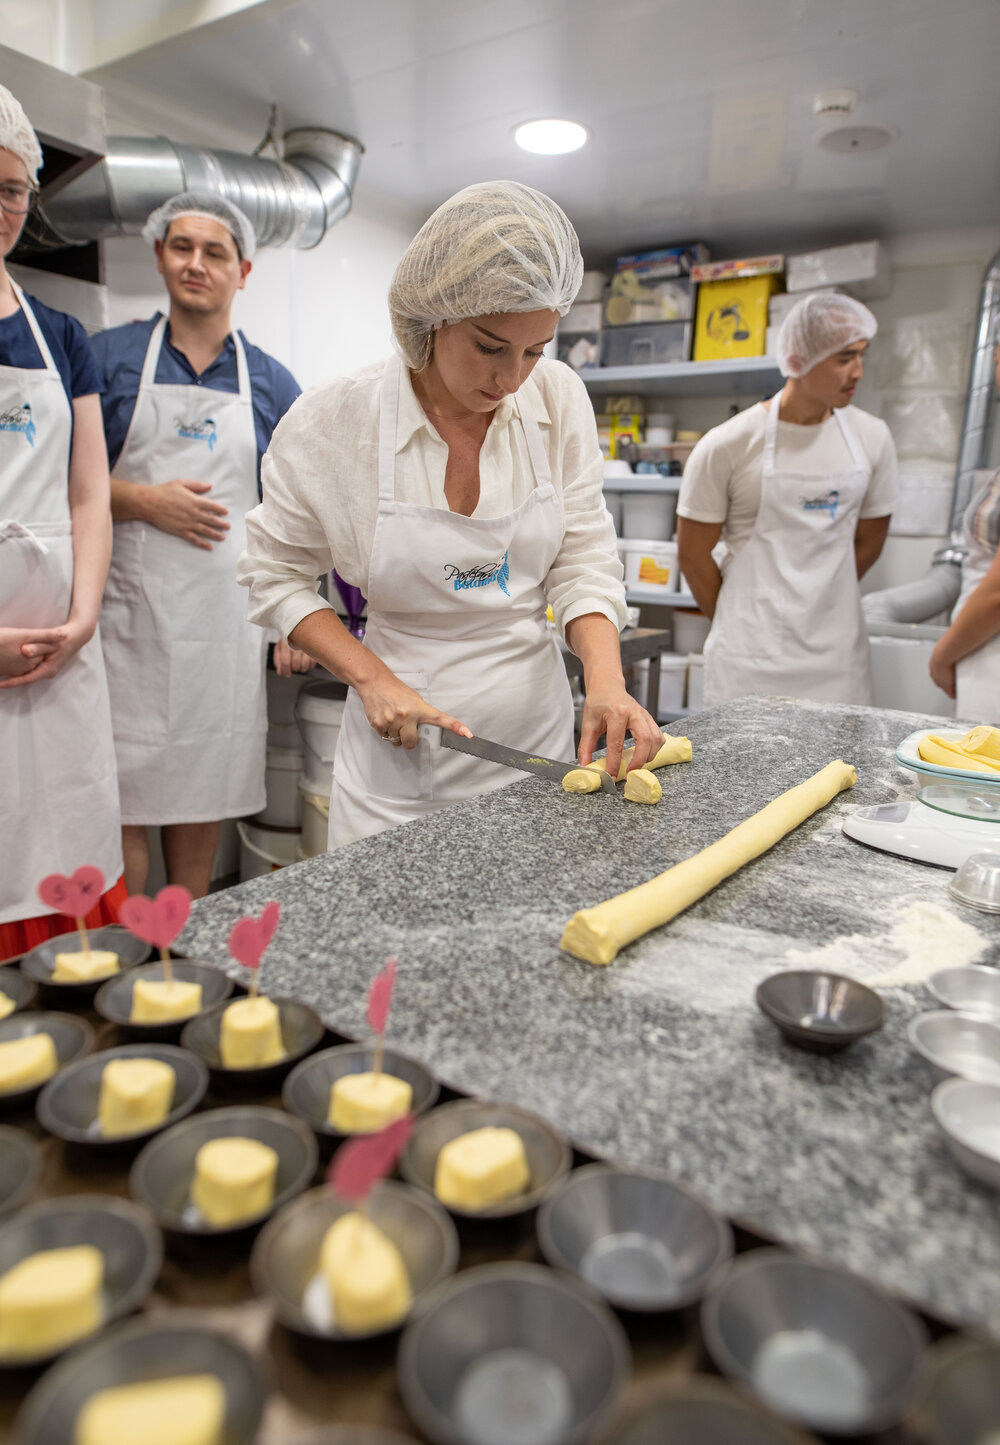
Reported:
(741, 376)
(635, 596)
(661, 485)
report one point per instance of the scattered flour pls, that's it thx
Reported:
(926, 935)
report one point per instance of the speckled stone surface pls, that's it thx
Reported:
(662, 1058)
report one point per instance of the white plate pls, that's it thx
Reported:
(908, 757)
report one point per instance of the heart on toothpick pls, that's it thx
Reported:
(367, 1158)
(157, 920)
(380, 997)
(249, 938)
(75, 896)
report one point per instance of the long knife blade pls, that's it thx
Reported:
(509, 757)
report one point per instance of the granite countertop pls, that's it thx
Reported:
(662, 1059)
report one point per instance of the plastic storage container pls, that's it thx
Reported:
(651, 344)
(319, 710)
(264, 850)
(650, 562)
(648, 514)
(315, 821)
(695, 682)
(283, 808)
(673, 679)
(690, 631)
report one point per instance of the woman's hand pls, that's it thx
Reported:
(22, 649)
(71, 637)
(395, 711)
(942, 672)
(609, 709)
(288, 659)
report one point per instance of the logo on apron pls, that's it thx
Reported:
(828, 503)
(498, 572)
(19, 418)
(197, 431)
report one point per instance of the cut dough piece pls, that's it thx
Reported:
(641, 786)
(50, 1299)
(581, 780)
(984, 742)
(84, 967)
(950, 755)
(365, 1274)
(596, 934)
(7, 1005)
(177, 1410)
(674, 750)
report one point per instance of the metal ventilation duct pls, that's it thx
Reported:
(972, 452)
(291, 202)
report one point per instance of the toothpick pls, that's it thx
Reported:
(379, 1053)
(253, 983)
(84, 936)
(168, 968)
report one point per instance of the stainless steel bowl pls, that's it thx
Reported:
(21, 990)
(548, 1155)
(284, 1265)
(977, 882)
(508, 1354)
(72, 1037)
(114, 998)
(641, 1241)
(20, 1167)
(970, 987)
(124, 1233)
(148, 1349)
(306, 1091)
(962, 1403)
(67, 1105)
(161, 1175)
(817, 1345)
(39, 963)
(822, 1012)
(353, 1435)
(969, 1118)
(955, 1044)
(301, 1030)
(702, 1411)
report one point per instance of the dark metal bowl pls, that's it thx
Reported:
(817, 1345)
(306, 1092)
(548, 1154)
(962, 1403)
(39, 963)
(512, 1351)
(148, 1349)
(822, 1012)
(21, 990)
(20, 1167)
(161, 1175)
(72, 1037)
(643, 1242)
(285, 1258)
(67, 1105)
(702, 1411)
(124, 1233)
(301, 1030)
(114, 998)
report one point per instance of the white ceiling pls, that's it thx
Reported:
(700, 114)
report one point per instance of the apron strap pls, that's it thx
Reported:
(242, 369)
(536, 451)
(388, 414)
(11, 529)
(771, 435)
(152, 356)
(35, 329)
(847, 432)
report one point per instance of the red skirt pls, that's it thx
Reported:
(27, 933)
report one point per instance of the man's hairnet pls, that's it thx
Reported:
(17, 135)
(494, 247)
(819, 326)
(212, 208)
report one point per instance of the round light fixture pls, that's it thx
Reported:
(550, 137)
(856, 139)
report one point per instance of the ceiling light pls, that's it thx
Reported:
(550, 137)
(856, 139)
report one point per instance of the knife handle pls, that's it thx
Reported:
(430, 734)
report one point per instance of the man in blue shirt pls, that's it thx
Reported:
(189, 407)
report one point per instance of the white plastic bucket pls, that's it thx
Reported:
(282, 729)
(650, 562)
(315, 821)
(647, 515)
(690, 631)
(673, 676)
(283, 808)
(319, 709)
(696, 682)
(264, 850)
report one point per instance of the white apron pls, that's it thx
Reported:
(977, 676)
(58, 788)
(185, 667)
(789, 620)
(456, 609)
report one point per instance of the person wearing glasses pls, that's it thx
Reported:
(58, 781)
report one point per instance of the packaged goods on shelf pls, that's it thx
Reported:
(650, 344)
(746, 266)
(861, 268)
(649, 562)
(732, 317)
(625, 426)
(592, 286)
(622, 404)
(635, 298)
(579, 350)
(582, 316)
(666, 262)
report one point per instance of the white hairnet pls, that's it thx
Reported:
(213, 208)
(17, 136)
(819, 326)
(494, 247)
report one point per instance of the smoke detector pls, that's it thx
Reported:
(846, 140)
(835, 104)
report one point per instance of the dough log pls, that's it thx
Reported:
(674, 750)
(596, 934)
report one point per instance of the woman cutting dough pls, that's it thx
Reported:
(459, 486)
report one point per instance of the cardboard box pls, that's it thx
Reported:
(862, 269)
(732, 317)
(669, 261)
(749, 266)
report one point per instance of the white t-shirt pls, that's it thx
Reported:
(722, 479)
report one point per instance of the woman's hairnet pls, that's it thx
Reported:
(819, 326)
(17, 135)
(213, 208)
(494, 247)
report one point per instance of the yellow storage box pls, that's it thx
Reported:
(732, 317)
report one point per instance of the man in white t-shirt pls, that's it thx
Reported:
(798, 492)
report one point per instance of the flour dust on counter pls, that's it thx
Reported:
(921, 938)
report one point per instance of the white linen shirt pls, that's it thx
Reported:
(320, 484)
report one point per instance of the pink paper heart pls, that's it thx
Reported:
(365, 1159)
(250, 936)
(380, 997)
(157, 920)
(74, 896)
